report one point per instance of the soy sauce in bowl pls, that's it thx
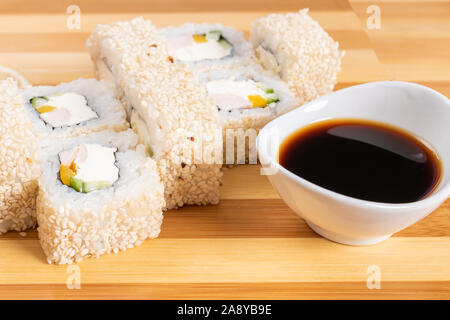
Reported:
(363, 159)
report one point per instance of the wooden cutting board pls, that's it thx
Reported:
(251, 245)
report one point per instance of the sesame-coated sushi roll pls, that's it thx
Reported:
(18, 170)
(208, 46)
(170, 112)
(247, 98)
(99, 193)
(6, 73)
(295, 47)
(74, 108)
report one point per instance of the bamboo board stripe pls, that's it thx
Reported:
(280, 290)
(237, 260)
(113, 6)
(260, 218)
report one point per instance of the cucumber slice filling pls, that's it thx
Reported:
(38, 101)
(224, 43)
(214, 35)
(272, 97)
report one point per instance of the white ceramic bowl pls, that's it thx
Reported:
(418, 109)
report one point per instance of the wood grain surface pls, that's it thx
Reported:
(251, 245)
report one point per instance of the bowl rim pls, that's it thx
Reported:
(434, 197)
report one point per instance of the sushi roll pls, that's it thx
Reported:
(295, 47)
(170, 112)
(74, 108)
(246, 98)
(208, 46)
(18, 161)
(98, 194)
(6, 73)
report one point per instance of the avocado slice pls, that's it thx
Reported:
(272, 98)
(94, 185)
(224, 43)
(214, 35)
(266, 89)
(77, 184)
(38, 101)
(149, 151)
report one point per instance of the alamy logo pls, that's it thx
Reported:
(74, 20)
(374, 279)
(374, 20)
(73, 281)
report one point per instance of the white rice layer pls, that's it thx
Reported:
(75, 225)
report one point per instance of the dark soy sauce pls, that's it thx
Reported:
(362, 159)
